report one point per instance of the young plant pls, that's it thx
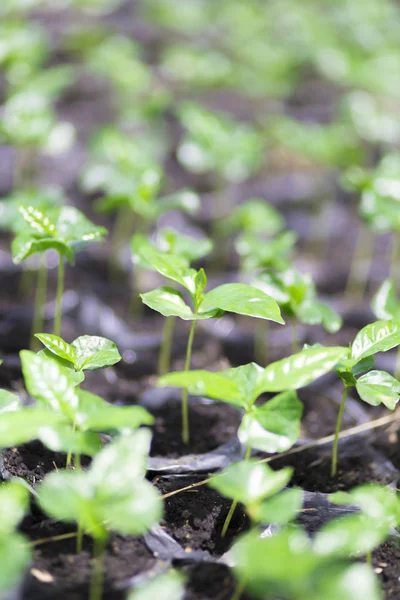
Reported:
(15, 554)
(385, 305)
(168, 586)
(65, 230)
(237, 298)
(112, 495)
(259, 489)
(173, 243)
(297, 297)
(287, 565)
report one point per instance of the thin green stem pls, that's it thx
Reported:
(120, 234)
(234, 503)
(185, 404)
(360, 266)
(261, 342)
(368, 558)
(239, 589)
(79, 536)
(397, 367)
(40, 300)
(337, 432)
(59, 297)
(164, 359)
(394, 257)
(295, 338)
(96, 582)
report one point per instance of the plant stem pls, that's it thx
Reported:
(164, 359)
(358, 277)
(120, 233)
(40, 300)
(238, 590)
(295, 338)
(394, 257)
(337, 431)
(79, 536)
(96, 582)
(368, 558)
(185, 406)
(261, 342)
(59, 297)
(234, 503)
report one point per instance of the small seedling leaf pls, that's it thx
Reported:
(280, 509)
(376, 337)
(57, 346)
(168, 586)
(205, 383)
(94, 352)
(379, 387)
(95, 414)
(242, 299)
(22, 426)
(385, 304)
(170, 303)
(9, 402)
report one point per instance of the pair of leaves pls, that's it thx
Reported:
(60, 229)
(111, 495)
(259, 488)
(257, 253)
(286, 565)
(87, 352)
(296, 295)
(170, 242)
(255, 216)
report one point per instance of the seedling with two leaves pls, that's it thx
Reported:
(112, 495)
(65, 230)
(237, 298)
(169, 243)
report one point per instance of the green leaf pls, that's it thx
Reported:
(9, 402)
(378, 387)
(14, 502)
(242, 299)
(254, 216)
(312, 312)
(274, 426)
(57, 346)
(170, 303)
(280, 509)
(355, 581)
(205, 383)
(22, 247)
(15, 556)
(39, 221)
(168, 586)
(184, 200)
(350, 536)
(385, 304)
(73, 226)
(94, 352)
(300, 369)
(376, 337)
(376, 501)
(186, 247)
(24, 425)
(250, 482)
(96, 414)
(75, 377)
(49, 382)
(62, 438)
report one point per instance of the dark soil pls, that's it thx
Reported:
(211, 425)
(210, 580)
(58, 572)
(312, 470)
(31, 461)
(195, 518)
(385, 561)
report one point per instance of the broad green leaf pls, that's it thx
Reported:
(376, 337)
(22, 426)
(300, 369)
(96, 414)
(170, 303)
(354, 581)
(168, 586)
(73, 226)
(94, 352)
(62, 438)
(57, 346)
(250, 482)
(49, 382)
(280, 509)
(75, 377)
(9, 402)
(15, 556)
(376, 501)
(184, 200)
(39, 221)
(242, 299)
(385, 304)
(14, 502)
(205, 383)
(378, 387)
(350, 536)
(22, 247)
(254, 216)
(274, 426)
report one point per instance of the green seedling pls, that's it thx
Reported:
(112, 495)
(254, 216)
(65, 230)
(173, 243)
(86, 353)
(288, 566)
(44, 199)
(297, 297)
(237, 298)
(15, 553)
(168, 586)
(373, 386)
(259, 489)
(385, 305)
(360, 533)
(197, 67)
(24, 49)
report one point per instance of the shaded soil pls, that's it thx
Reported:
(195, 518)
(385, 561)
(211, 425)
(31, 462)
(208, 580)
